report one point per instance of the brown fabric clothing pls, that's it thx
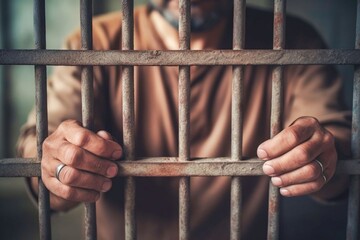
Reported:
(309, 91)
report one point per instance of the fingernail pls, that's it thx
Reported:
(268, 170)
(106, 186)
(116, 154)
(262, 154)
(284, 192)
(276, 181)
(112, 171)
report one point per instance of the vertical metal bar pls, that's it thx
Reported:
(237, 119)
(3, 107)
(276, 112)
(184, 120)
(41, 115)
(5, 86)
(129, 117)
(353, 206)
(87, 102)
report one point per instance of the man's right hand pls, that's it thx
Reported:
(87, 157)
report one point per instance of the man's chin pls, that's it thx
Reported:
(200, 21)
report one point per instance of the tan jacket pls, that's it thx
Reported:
(309, 91)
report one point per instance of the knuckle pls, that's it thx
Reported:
(294, 136)
(68, 193)
(329, 139)
(73, 155)
(315, 186)
(46, 144)
(81, 138)
(99, 165)
(43, 168)
(312, 170)
(69, 176)
(67, 123)
(102, 148)
(302, 155)
(312, 121)
(64, 125)
(49, 145)
(44, 174)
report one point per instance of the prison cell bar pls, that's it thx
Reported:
(41, 116)
(128, 118)
(184, 120)
(356, 80)
(276, 112)
(172, 58)
(353, 204)
(180, 57)
(87, 102)
(237, 119)
(170, 167)
(5, 86)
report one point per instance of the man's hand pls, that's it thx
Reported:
(86, 156)
(292, 157)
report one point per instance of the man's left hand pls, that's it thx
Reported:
(301, 158)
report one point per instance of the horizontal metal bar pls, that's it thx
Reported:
(169, 167)
(19, 167)
(179, 57)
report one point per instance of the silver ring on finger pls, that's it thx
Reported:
(324, 177)
(58, 170)
(320, 164)
(322, 170)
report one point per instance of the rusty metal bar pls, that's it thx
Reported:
(276, 112)
(5, 86)
(180, 57)
(184, 120)
(87, 102)
(3, 37)
(353, 206)
(237, 119)
(128, 117)
(20, 167)
(170, 167)
(41, 116)
(354, 195)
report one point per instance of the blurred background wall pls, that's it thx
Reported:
(335, 20)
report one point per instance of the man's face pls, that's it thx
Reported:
(204, 13)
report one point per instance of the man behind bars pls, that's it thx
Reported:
(300, 160)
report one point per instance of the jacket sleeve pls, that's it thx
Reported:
(63, 102)
(317, 91)
(64, 93)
